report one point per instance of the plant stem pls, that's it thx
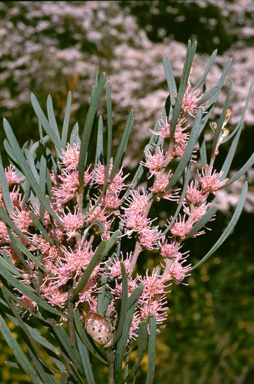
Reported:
(70, 313)
(111, 359)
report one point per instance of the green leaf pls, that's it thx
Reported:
(228, 161)
(188, 151)
(124, 304)
(109, 120)
(179, 205)
(201, 222)
(87, 366)
(41, 116)
(18, 353)
(241, 171)
(135, 294)
(202, 149)
(9, 223)
(99, 146)
(209, 65)
(75, 135)
(122, 145)
(23, 249)
(182, 88)
(9, 151)
(222, 119)
(40, 228)
(51, 116)
(42, 180)
(112, 240)
(66, 120)
(208, 95)
(5, 192)
(27, 172)
(142, 342)
(121, 345)
(85, 277)
(13, 365)
(170, 79)
(85, 139)
(84, 337)
(68, 346)
(44, 372)
(27, 291)
(101, 296)
(214, 98)
(151, 350)
(229, 228)
(95, 223)
(64, 378)
(10, 267)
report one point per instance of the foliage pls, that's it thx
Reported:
(68, 216)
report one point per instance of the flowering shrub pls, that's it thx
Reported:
(68, 213)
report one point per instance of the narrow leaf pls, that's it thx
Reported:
(135, 294)
(40, 228)
(188, 151)
(51, 116)
(27, 291)
(18, 353)
(121, 345)
(241, 171)
(229, 228)
(209, 65)
(5, 192)
(201, 222)
(170, 79)
(124, 304)
(87, 366)
(27, 172)
(208, 95)
(84, 337)
(142, 342)
(84, 279)
(85, 139)
(151, 350)
(231, 153)
(99, 146)
(66, 120)
(75, 135)
(122, 145)
(68, 346)
(41, 116)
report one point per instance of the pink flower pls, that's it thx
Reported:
(70, 157)
(154, 162)
(114, 267)
(72, 221)
(170, 250)
(148, 237)
(12, 177)
(178, 272)
(210, 181)
(158, 307)
(193, 194)
(137, 201)
(181, 228)
(164, 129)
(190, 100)
(159, 186)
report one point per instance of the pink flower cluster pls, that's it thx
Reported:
(76, 242)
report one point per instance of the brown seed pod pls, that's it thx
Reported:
(98, 328)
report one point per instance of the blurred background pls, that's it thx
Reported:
(55, 46)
